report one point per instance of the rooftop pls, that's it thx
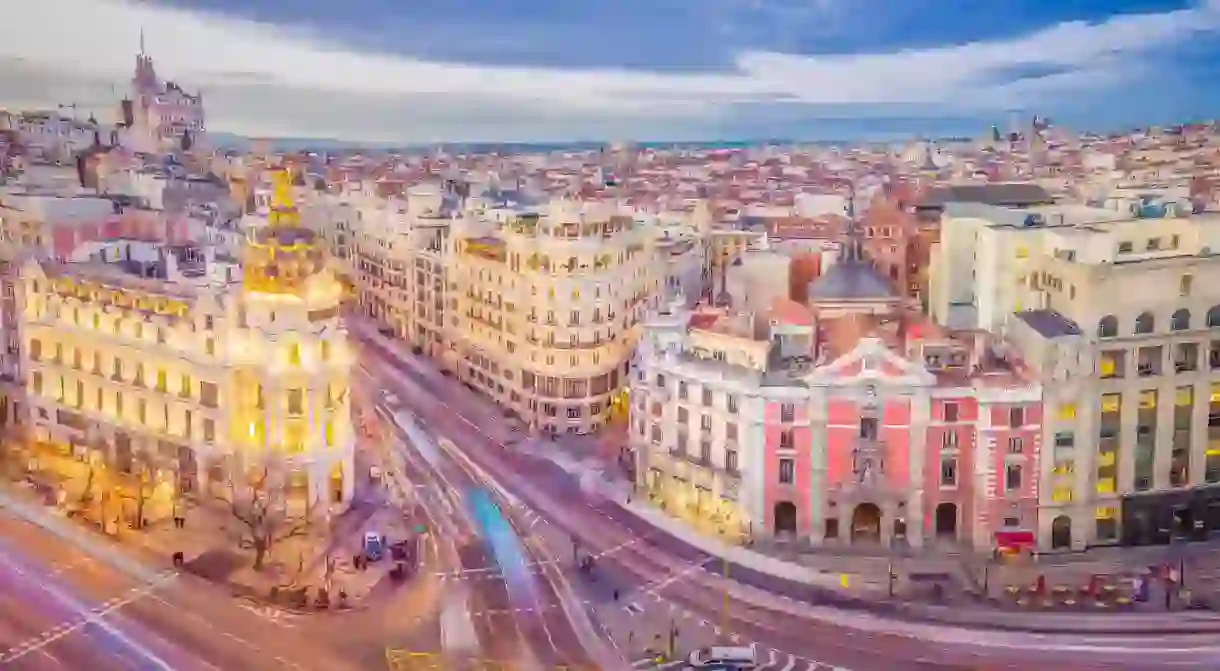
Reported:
(1048, 323)
(850, 280)
(1004, 194)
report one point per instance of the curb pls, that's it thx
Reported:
(980, 620)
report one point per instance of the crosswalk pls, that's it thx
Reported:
(768, 659)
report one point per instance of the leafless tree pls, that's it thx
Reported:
(86, 494)
(258, 503)
(143, 485)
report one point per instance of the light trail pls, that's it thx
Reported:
(66, 531)
(87, 614)
(505, 547)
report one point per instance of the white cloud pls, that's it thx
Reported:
(261, 79)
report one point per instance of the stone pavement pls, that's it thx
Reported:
(208, 537)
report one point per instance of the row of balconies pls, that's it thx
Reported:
(1149, 360)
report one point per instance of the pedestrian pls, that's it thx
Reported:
(616, 595)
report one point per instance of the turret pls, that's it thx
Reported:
(282, 256)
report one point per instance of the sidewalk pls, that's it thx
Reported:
(821, 587)
(208, 541)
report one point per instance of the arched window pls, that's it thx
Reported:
(1213, 317)
(1180, 321)
(1145, 323)
(1107, 327)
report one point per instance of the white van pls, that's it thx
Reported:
(724, 657)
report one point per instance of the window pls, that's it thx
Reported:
(1016, 417)
(948, 440)
(1015, 445)
(1184, 284)
(1179, 320)
(787, 412)
(208, 394)
(1012, 477)
(1107, 327)
(1145, 323)
(705, 422)
(730, 461)
(785, 439)
(950, 412)
(296, 402)
(707, 397)
(682, 391)
(732, 403)
(948, 472)
(868, 428)
(787, 471)
(1067, 411)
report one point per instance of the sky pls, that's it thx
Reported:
(433, 71)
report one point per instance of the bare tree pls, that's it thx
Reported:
(142, 486)
(86, 495)
(259, 505)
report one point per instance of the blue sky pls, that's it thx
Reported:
(454, 70)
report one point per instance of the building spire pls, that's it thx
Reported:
(850, 250)
(142, 52)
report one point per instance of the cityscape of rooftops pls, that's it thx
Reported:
(798, 335)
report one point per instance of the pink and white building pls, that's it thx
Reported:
(849, 422)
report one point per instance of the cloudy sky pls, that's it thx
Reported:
(421, 71)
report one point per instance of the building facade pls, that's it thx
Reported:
(543, 309)
(1129, 383)
(854, 429)
(161, 357)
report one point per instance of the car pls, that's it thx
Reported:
(374, 545)
(724, 657)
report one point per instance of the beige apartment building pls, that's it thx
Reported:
(543, 309)
(397, 261)
(1119, 317)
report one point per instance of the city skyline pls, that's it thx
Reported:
(498, 73)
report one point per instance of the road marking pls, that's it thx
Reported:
(671, 579)
(67, 627)
(271, 614)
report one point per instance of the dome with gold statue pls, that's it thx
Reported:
(282, 256)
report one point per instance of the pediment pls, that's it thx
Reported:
(871, 362)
